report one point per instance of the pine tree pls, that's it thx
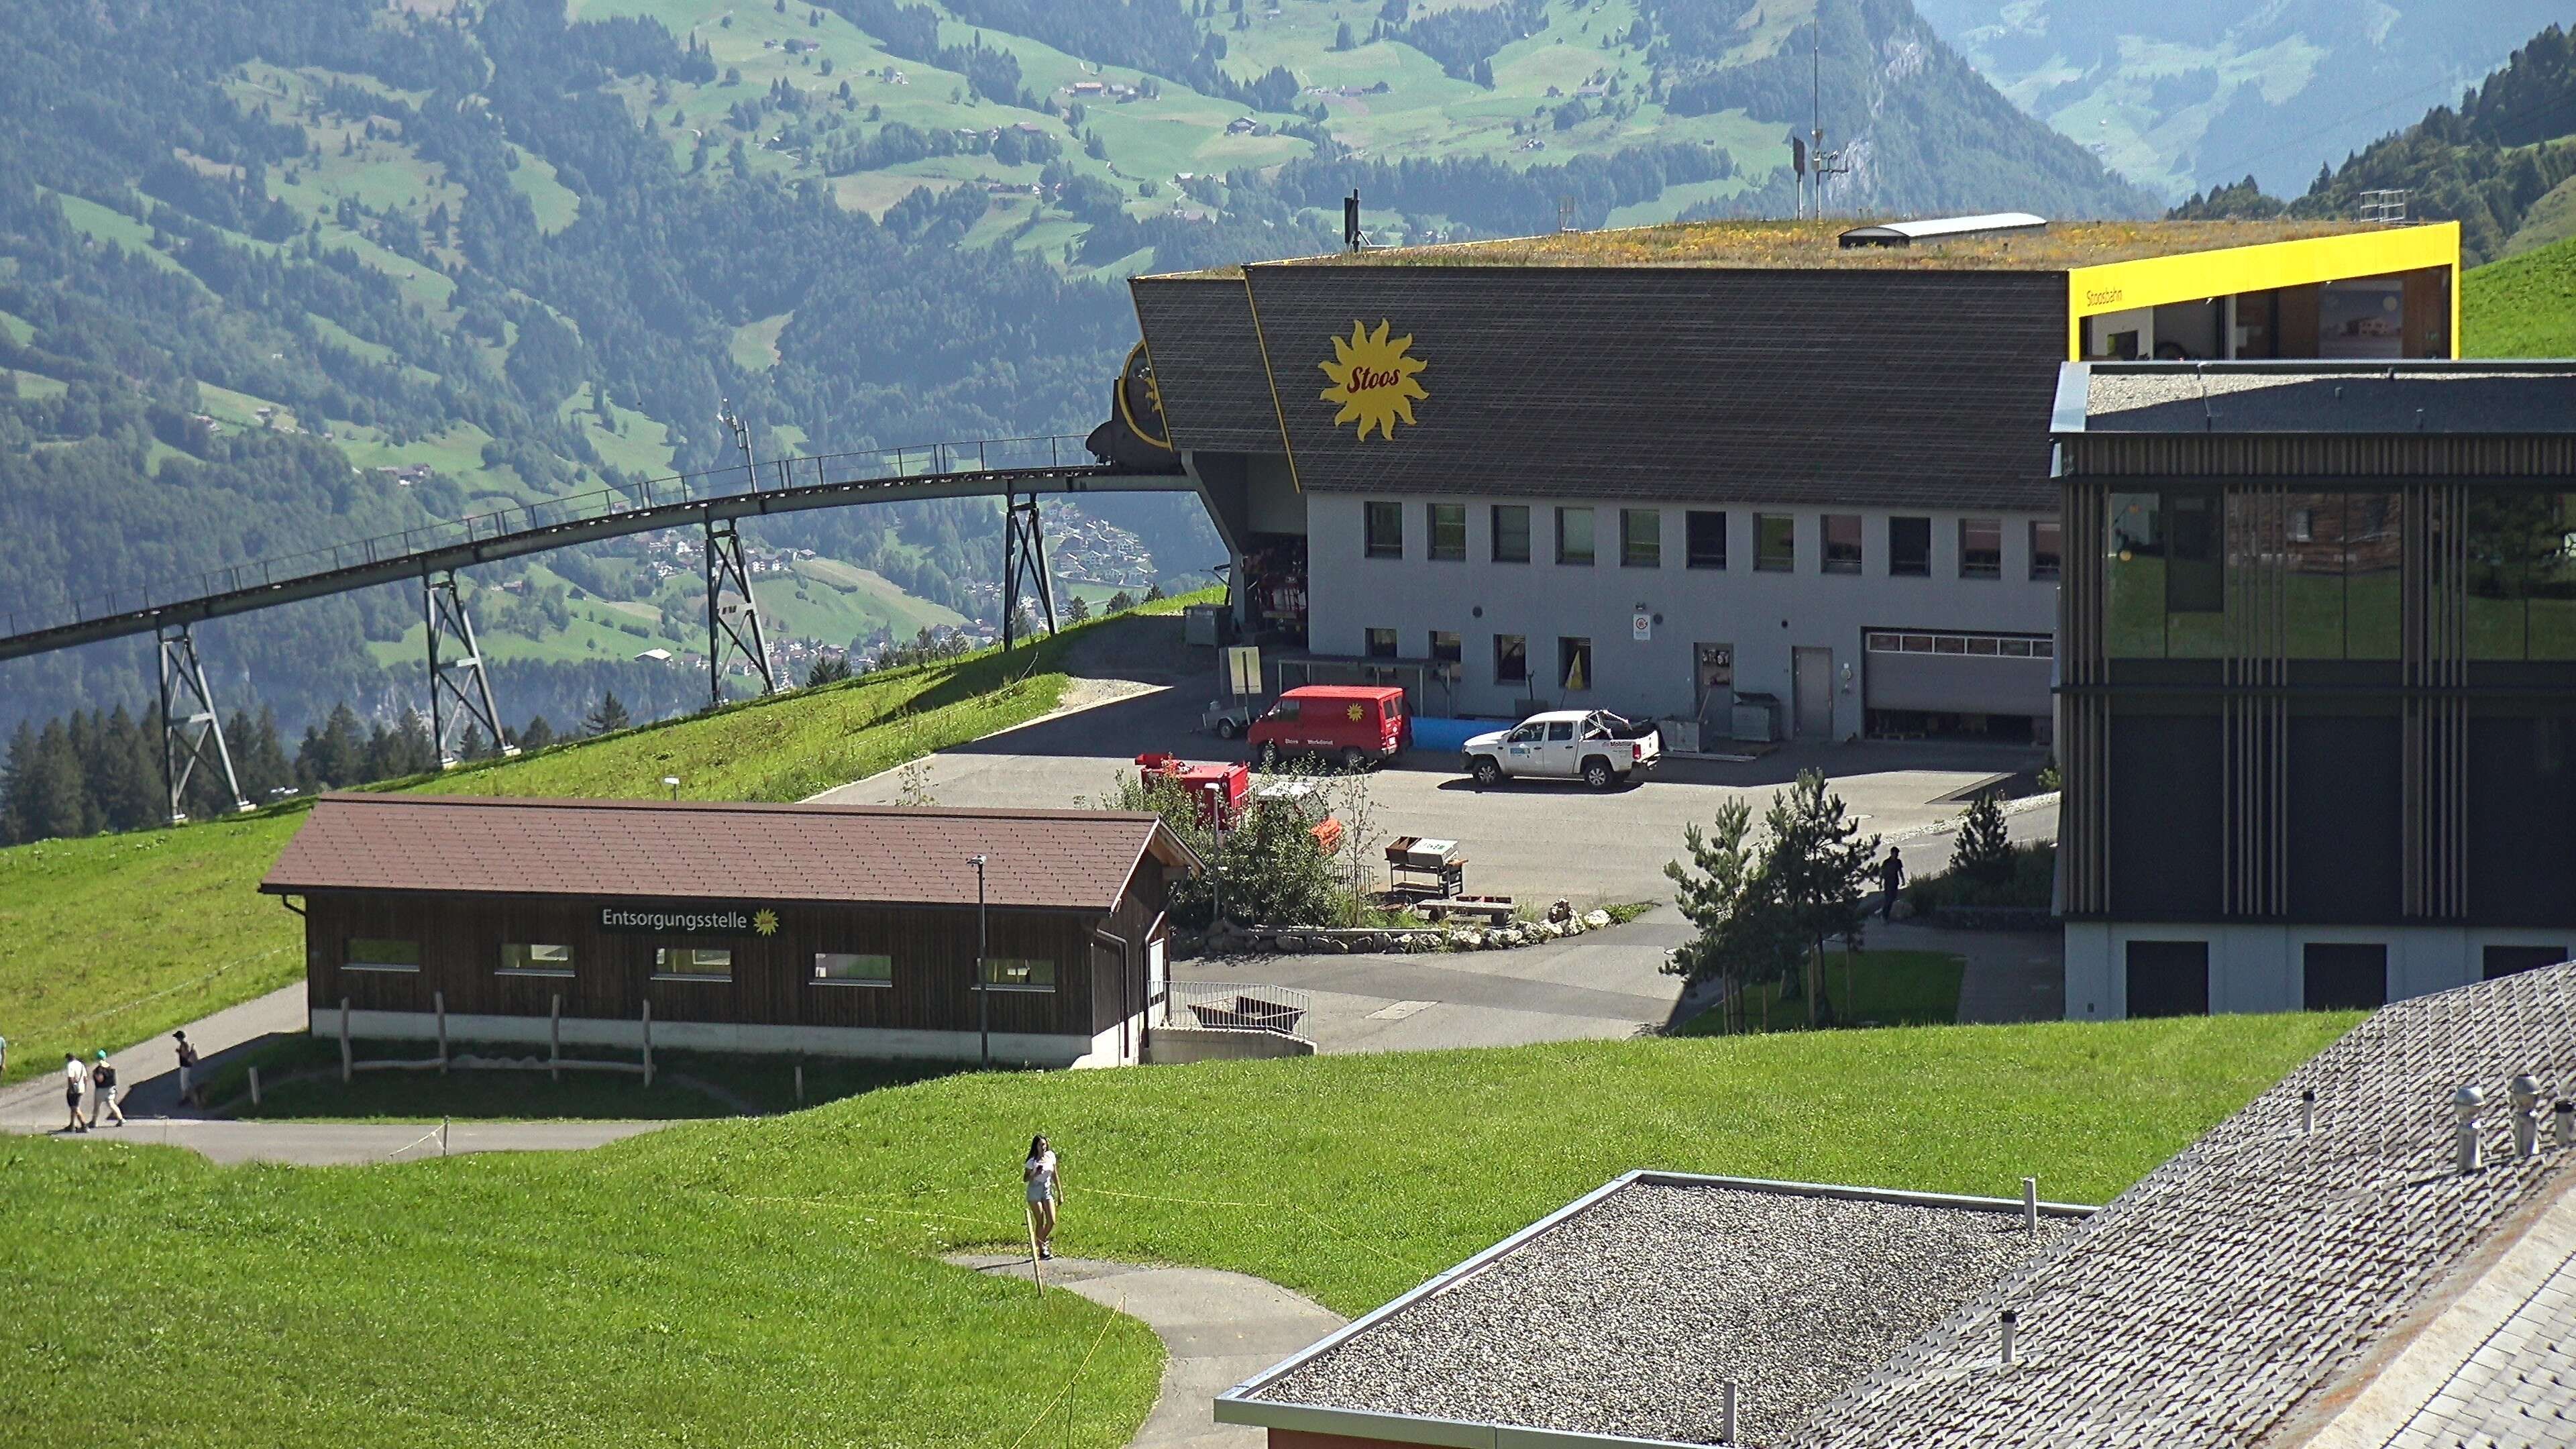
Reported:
(609, 717)
(125, 778)
(1818, 868)
(55, 804)
(1984, 853)
(1154, 592)
(1121, 601)
(1075, 610)
(17, 787)
(537, 735)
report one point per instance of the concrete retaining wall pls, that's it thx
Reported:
(1178, 1045)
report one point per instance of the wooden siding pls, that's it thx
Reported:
(461, 937)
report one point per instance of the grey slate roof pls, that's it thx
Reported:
(2518, 1390)
(2430, 397)
(1627, 1317)
(2254, 1271)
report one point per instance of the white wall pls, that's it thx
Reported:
(2258, 967)
(1763, 615)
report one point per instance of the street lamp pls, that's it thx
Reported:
(672, 783)
(983, 995)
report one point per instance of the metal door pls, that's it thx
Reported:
(1813, 678)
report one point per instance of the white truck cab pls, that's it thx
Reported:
(1594, 746)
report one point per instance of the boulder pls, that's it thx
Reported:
(1574, 927)
(1562, 910)
(1291, 942)
(1595, 920)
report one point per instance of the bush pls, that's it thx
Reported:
(1274, 874)
(2026, 882)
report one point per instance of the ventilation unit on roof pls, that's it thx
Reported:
(1940, 228)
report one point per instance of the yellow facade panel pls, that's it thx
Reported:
(2199, 276)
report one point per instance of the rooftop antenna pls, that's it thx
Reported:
(1823, 162)
(1565, 213)
(1351, 238)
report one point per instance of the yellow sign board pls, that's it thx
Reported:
(1374, 379)
(2198, 276)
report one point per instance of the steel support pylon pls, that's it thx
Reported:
(460, 692)
(736, 624)
(1024, 554)
(184, 739)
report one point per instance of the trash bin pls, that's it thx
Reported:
(1205, 624)
(1755, 719)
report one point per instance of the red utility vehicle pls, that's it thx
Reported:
(1354, 724)
(1220, 790)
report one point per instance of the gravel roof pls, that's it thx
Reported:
(2431, 396)
(1628, 1317)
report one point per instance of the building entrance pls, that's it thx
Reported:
(1812, 672)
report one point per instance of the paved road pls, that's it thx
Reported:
(1218, 1328)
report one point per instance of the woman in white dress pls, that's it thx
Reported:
(1039, 1172)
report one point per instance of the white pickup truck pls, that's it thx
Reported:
(1594, 746)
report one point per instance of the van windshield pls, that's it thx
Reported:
(1285, 709)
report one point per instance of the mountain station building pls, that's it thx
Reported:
(1799, 466)
(830, 930)
(2318, 701)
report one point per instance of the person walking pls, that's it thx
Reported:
(1891, 876)
(4, 1056)
(192, 1086)
(1040, 1173)
(102, 1086)
(75, 1082)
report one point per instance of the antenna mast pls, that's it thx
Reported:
(1825, 163)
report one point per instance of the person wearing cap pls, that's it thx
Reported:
(102, 1081)
(192, 1085)
(75, 1082)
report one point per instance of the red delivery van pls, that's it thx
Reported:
(1355, 725)
(1218, 789)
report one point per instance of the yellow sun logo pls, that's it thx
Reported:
(765, 922)
(1373, 379)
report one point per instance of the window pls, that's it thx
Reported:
(2509, 960)
(2047, 551)
(1574, 536)
(1574, 664)
(1775, 543)
(369, 954)
(1641, 538)
(845, 968)
(1705, 538)
(1842, 543)
(1386, 530)
(1445, 647)
(1909, 548)
(1018, 973)
(2168, 978)
(2343, 977)
(532, 960)
(1511, 659)
(1511, 533)
(1381, 643)
(1285, 712)
(1448, 531)
(1560, 730)
(692, 963)
(1981, 548)
(2521, 575)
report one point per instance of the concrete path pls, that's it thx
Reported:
(344, 1144)
(149, 1070)
(1218, 1328)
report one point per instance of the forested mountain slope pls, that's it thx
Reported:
(279, 273)
(2500, 162)
(2186, 94)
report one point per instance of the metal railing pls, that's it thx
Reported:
(837, 470)
(1237, 1005)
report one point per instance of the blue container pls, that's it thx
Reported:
(1451, 735)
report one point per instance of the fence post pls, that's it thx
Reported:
(800, 1084)
(344, 1041)
(254, 1086)
(554, 1037)
(438, 999)
(648, 1042)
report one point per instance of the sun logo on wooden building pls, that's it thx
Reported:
(765, 922)
(1373, 379)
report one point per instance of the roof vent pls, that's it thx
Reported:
(1940, 228)
(2465, 1106)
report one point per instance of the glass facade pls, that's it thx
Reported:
(2170, 558)
(2521, 580)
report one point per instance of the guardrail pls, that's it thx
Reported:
(928, 460)
(1239, 1005)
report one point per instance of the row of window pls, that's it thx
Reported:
(695, 963)
(2171, 978)
(2010, 646)
(1574, 655)
(1775, 540)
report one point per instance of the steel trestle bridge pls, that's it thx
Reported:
(1017, 470)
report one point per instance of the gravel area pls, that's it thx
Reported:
(1627, 1318)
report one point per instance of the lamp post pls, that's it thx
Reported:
(672, 783)
(983, 997)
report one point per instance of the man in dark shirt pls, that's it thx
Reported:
(1891, 876)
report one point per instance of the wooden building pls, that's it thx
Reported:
(826, 929)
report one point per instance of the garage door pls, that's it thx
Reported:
(1958, 673)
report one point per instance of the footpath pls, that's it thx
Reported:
(1218, 1329)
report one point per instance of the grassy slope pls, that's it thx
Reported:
(110, 940)
(707, 1281)
(2522, 306)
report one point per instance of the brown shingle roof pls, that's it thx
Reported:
(1043, 859)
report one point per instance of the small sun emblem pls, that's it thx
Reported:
(1373, 379)
(765, 922)
(1355, 714)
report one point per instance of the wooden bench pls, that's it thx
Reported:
(1495, 909)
